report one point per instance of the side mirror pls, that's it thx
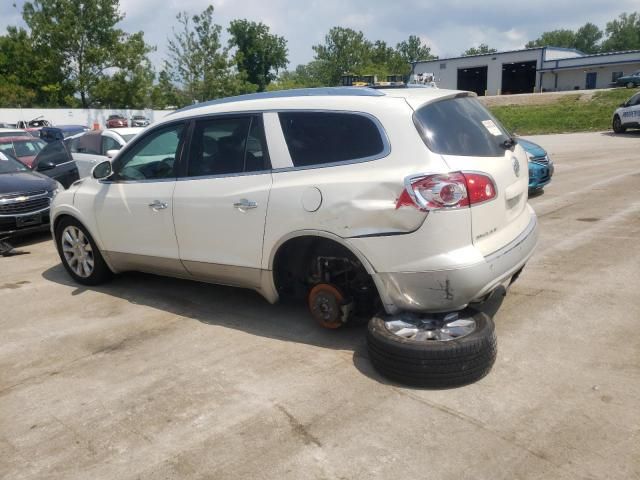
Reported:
(45, 165)
(102, 170)
(623, 104)
(112, 153)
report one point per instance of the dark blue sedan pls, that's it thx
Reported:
(540, 165)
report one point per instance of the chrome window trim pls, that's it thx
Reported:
(386, 145)
(225, 175)
(149, 180)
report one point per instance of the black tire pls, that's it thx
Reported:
(100, 272)
(630, 84)
(433, 364)
(617, 125)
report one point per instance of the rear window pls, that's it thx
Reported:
(461, 126)
(317, 138)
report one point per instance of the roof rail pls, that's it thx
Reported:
(296, 92)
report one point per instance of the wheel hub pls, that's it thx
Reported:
(424, 329)
(327, 306)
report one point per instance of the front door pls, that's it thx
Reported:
(631, 114)
(134, 207)
(591, 80)
(220, 205)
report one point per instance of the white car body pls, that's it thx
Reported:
(110, 139)
(230, 228)
(629, 114)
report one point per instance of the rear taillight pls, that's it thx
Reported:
(446, 191)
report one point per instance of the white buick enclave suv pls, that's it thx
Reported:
(353, 198)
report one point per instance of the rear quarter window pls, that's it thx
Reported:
(460, 126)
(319, 138)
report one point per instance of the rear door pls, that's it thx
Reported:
(220, 203)
(470, 139)
(86, 151)
(631, 114)
(65, 170)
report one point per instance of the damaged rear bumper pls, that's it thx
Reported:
(449, 290)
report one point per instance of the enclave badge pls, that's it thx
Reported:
(516, 166)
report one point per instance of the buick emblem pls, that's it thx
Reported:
(516, 166)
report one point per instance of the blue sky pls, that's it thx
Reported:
(449, 27)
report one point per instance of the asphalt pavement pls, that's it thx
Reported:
(155, 378)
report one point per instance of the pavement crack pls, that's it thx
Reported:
(478, 424)
(299, 428)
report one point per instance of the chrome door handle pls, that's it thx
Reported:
(245, 204)
(158, 205)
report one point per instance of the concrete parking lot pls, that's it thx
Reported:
(157, 378)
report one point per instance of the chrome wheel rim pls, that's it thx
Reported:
(430, 329)
(77, 251)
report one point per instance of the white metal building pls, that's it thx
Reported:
(530, 70)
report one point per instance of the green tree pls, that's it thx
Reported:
(386, 60)
(623, 33)
(84, 33)
(412, 50)
(304, 76)
(259, 54)
(556, 38)
(587, 38)
(479, 50)
(32, 75)
(164, 93)
(344, 51)
(199, 64)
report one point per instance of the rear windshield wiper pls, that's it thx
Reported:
(509, 143)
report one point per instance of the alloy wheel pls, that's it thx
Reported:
(77, 251)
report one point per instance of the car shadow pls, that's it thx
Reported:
(627, 134)
(19, 243)
(239, 309)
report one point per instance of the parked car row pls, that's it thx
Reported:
(118, 121)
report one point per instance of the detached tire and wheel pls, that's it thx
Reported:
(433, 352)
(79, 253)
(617, 125)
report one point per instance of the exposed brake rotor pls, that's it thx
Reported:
(328, 306)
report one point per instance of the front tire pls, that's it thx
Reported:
(79, 253)
(631, 85)
(617, 125)
(456, 351)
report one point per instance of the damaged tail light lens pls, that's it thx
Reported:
(445, 191)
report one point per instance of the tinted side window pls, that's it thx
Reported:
(461, 126)
(635, 100)
(54, 152)
(228, 145)
(109, 143)
(89, 143)
(316, 138)
(153, 157)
